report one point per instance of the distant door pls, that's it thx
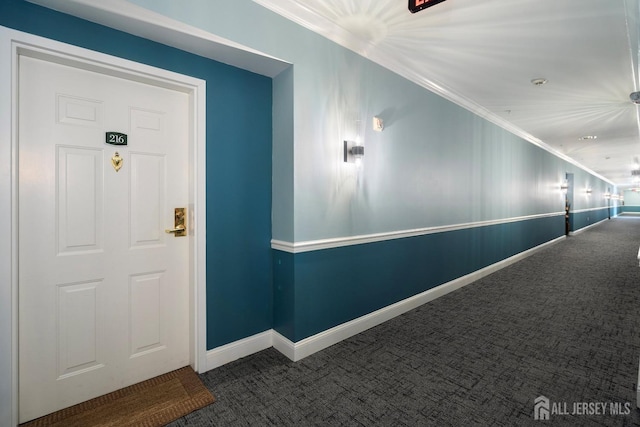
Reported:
(103, 290)
(567, 225)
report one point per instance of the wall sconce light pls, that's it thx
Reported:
(353, 152)
(564, 186)
(607, 195)
(589, 191)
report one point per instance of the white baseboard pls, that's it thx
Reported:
(238, 349)
(284, 346)
(306, 347)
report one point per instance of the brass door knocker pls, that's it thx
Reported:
(116, 161)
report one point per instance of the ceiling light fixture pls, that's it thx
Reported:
(538, 82)
(588, 138)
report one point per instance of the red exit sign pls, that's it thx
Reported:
(418, 5)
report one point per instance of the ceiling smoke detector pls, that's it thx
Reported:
(635, 97)
(538, 82)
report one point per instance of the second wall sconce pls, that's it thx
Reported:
(353, 152)
(564, 187)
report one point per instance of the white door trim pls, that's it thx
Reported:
(12, 44)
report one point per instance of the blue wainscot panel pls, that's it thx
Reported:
(284, 293)
(333, 286)
(580, 220)
(630, 209)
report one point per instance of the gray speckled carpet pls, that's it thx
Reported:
(563, 323)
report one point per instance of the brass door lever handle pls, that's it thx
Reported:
(179, 223)
(178, 229)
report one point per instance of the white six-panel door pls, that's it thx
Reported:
(103, 290)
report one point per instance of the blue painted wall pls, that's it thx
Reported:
(239, 277)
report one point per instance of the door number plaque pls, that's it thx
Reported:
(116, 138)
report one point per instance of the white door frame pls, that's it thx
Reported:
(14, 43)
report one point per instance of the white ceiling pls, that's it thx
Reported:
(484, 54)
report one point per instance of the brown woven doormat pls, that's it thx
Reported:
(151, 403)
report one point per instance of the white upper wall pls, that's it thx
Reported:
(435, 164)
